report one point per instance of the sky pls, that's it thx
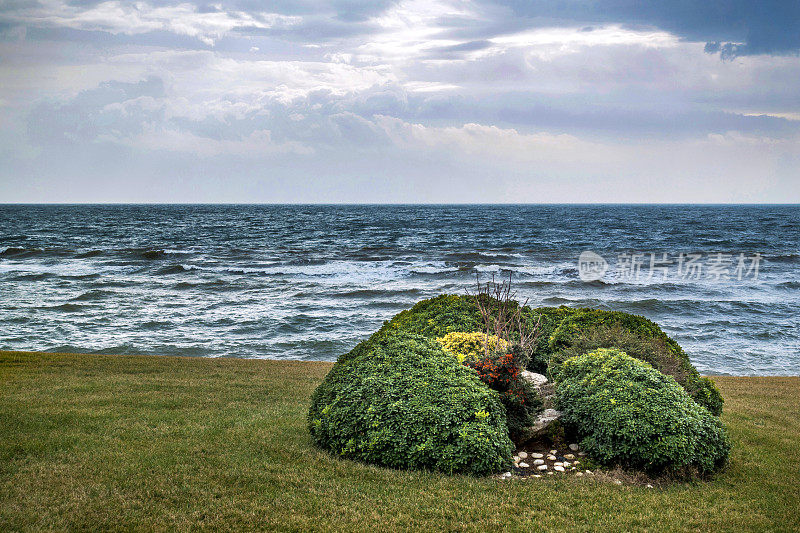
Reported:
(409, 101)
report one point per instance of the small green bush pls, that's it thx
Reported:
(627, 413)
(586, 329)
(401, 401)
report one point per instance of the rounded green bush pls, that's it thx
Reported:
(403, 402)
(436, 317)
(584, 330)
(627, 413)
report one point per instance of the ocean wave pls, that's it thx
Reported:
(89, 254)
(19, 253)
(784, 258)
(66, 308)
(152, 254)
(173, 269)
(93, 295)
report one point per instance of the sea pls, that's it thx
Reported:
(310, 281)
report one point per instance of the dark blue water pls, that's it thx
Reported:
(309, 282)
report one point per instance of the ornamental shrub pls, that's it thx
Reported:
(501, 372)
(547, 320)
(472, 346)
(436, 317)
(403, 402)
(627, 413)
(586, 329)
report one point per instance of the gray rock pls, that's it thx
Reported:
(542, 467)
(538, 462)
(574, 447)
(524, 465)
(542, 423)
(537, 455)
(538, 380)
(558, 468)
(523, 455)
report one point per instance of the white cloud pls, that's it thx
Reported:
(141, 17)
(257, 145)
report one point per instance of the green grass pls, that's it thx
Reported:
(111, 442)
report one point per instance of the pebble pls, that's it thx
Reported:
(536, 475)
(553, 452)
(581, 454)
(558, 464)
(542, 467)
(537, 455)
(523, 455)
(538, 462)
(617, 482)
(551, 457)
(569, 456)
(574, 447)
(549, 473)
(578, 474)
(589, 472)
(524, 465)
(576, 462)
(516, 458)
(649, 486)
(558, 468)
(507, 474)
(566, 463)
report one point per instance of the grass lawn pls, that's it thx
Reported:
(112, 442)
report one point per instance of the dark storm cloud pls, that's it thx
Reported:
(733, 27)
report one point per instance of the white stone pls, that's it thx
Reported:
(576, 462)
(581, 454)
(537, 455)
(578, 474)
(558, 464)
(558, 468)
(516, 458)
(553, 452)
(569, 456)
(551, 457)
(574, 447)
(523, 455)
(549, 473)
(566, 463)
(536, 475)
(649, 486)
(507, 474)
(538, 462)
(524, 465)
(617, 482)
(542, 467)
(589, 472)
(536, 379)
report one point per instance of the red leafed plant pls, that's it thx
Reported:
(502, 373)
